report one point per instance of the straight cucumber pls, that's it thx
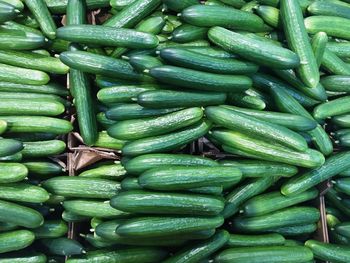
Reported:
(12, 172)
(49, 88)
(329, 252)
(211, 52)
(106, 141)
(103, 121)
(236, 240)
(342, 121)
(72, 217)
(341, 49)
(7, 11)
(332, 108)
(336, 83)
(113, 171)
(343, 229)
(22, 76)
(75, 12)
(30, 257)
(15, 240)
(144, 62)
(245, 100)
(342, 185)
(178, 6)
(43, 148)
(295, 231)
(9, 147)
(35, 96)
(61, 246)
(318, 43)
(51, 229)
(270, 15)
(333, 64)
(187, 33)
(31, 137)
(17, 157)
(335, 200)
(60, 6)
(23, 192)
(331, 25)
(330, 8)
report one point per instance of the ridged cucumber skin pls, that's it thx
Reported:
(51, 229)
(143, 62)
(269, 202)
(30, 257)
(332, 108)
(22, 75)
(253, 50)
(206, 16)
(211, 52)
(295, 231)
(106, 141)
(236, 240)
(61, 246)
(270, 15)
(99, 64)
(20, 215)
(185, 58)
(238, 196)
(333, 166)
(12, 172)
(298, 41)
(318, 44)
(107, 36)
(109, 171)
(18, 124)
(329, 252)
(43, 168)
(332, 26)
(43, 148)
(25, 59)
(200, 251)
(252, 126)
(60, 6)
(20, 40)
(336, 83)
(341, 49)
(267, 152)
(75, 13)
(41, 107)
(291, 121)
(15, 240)
(17, 157)
(71, 186)
(49, 88)
(103, 121)
(142, 163)
(127, 255)
(270, 254)
(182, 178)
(296, 215)
(334, 64)
(164, 226)
(178, 6)
(342, 185)
(23, 192)
(146, 202)
(10, 147)
(168, 142)
(91, 208)
(187, 33)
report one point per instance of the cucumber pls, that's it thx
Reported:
(75, 13)
(254, 50)
(331, 25)
(62, 246)
(9, 147)
(35, 96)
(142, 128)
(89, 208)
(245, 100)
(269, 202)
(333, 64)
(185, 58)
(20, 215)
(120, 4)
(27, 19)
(329, 252)
(236, 240)
(18, 124)
(43, 148)
(341, 49)
(342, 121)
(206, 16)
(318, 43)
(333, 166)
(211, 52)
(72, 217)
(270, 15)
(43, 168)
(31, 137)
(295, 231)
(332, 108)
(23, 192)
(12, 172)
(270, 254)
(106, 141)
(182, 178)
(335, 200)
(30, 257)
(146, 202)
(49, 88)
(178, 6)
(72, 186)
(17, 157)
(15, 240)
(342, 229)
(7, 12)
(22, 76)
(281, 218)
(194, 79)
(143, 62)
(187, 33)
(336, 83)
(16, 3)
(165, 226)
(113, 171)
(342, 185)
(103, 121)
(197, 252)
(51, 229)
(142, 163)
(7, 226)
(60, 6)
(3, 126)
(168, 142)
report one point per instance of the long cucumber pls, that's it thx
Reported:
(12, 172)
(237, 240)
(332, 108)
(22, 192)
(43, 148)
(15, 240)
(331, 25)
(329, 252)
(9, 147)
(22, 75)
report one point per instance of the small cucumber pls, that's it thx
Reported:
(51, 229)
(43, 148)
(49, 88)
(23, 192)
(10, 147)
(15, 240)
(62, 246)
(187, 33)
(144, 62)
(22, 75)
(333, 64)
(334, 26)
(236, 240)
(318, 43)
(270, 15)
(329, 252)
(178, 6)
(332, 108)
(295, 231)
(113, 171)
(106, 141)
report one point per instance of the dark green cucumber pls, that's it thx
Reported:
(246, 100)
(103, 121)
(333, 166)
(22, 76)
(34, 96)
(206, 16)
(343, 229)
(12, 172)
(49, 88)
(332, 108)
(71, 186)
(143, 62)
(185, 58)
(334, 64)
(62, 246)
(181, 178)
(178, 6)
(146, 202)
(211, 52)
(336, 83)
(106, 141)
(23, 192)
(15, 240)
(342, 121)
(341, 49)
(43, 168)
(335, 200)
(43, 107)
(20, 40)
(298, 41)
(332, 26)
(3, 126)
(60, 6)
(51, 229)
(72, 217)
(165, 226)
(7, 226)
(330, 8)
(342, 185)
(26, 257)
(329, 252)
(267, 203)
(90, 208)
(168, 142)
(17, 157)
(109, 171)
(7, 12)
(270, 15)
(281, 218)
(194, 79)
(76, 12)
(236, 240)
(318, 43)
(295, 231)
(269, 254)
(43, 148)
(187, 33)
(254, 50)
(9, 147)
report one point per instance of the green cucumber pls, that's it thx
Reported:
(342, 121)
(187, 33)
(51, 229)
(17, 157)
(211, 52)
(103, 121)
(35, 96)
(286, 217)
(142, 128)
(23, 192)
(27, 19)
(332, 108)
(185, 58)
(31, 137)
(7, 226)
(236, 240)
(106, 141)
(270, 15)
(294, 231)
(335, 200)
(254, 50)
(342, 185)
(76, 13)
(16, 39)
(60, 6)
(333, 64)
(181, 178)
(7, 12)
(341, 49)
(194, 79)
(81, 187)
(30, 257)
(23, 76)
(43, 168)
(143, 62)
(329, 252)
(269, 254)
(334, 26)
(168, 142)
(113, 171)
(255, 127)
(43, 148)
(49, 88)
(336, 83)
(318, 43)
(178, 6)
(245, 100)
(3, 126)
(72, 217)
(146, 202)
(15, 240)
(9, 147)
(269, 202)
(343, 229)
(333, 166)
(62, 246)
(12, 172)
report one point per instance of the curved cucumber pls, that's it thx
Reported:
(332, 108)
(15, 240)
(10, 147)
(23, 192)
(332, 26)
(43, 148)
(236, 240)
(329, 252)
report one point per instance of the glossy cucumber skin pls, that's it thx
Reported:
(62, 246)
(336, 83)
(22, 192)
(51, 229)
(178, 6)
(342, 185)
(8, 11)
(16, 257)
(12, 172)
(333, 252)
(15, 240)
(10, 147)
(88, 187)
(343, 229)
(49, 88)
(341, 49)
(144, 62)
(331, 8)
(295, 231)
(318, 43)
(298, 41)
(43, 168)
(270, 15)
(254, 50)
(60, 6)
(106, 141)
(142, 128)
(237, 240)
(20, 40)
(333, 26)
(342, 121)
(109, 171)
(333, 166)
(187, 33)
(76, 12)
(43, 148)
(23, 76)
(332, 108)
(333, 64)
(36, 96)
(333, 198)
